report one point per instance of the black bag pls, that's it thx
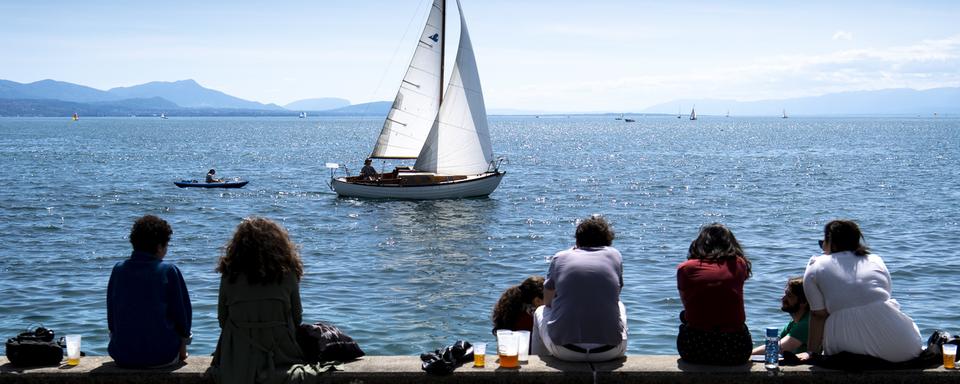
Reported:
(445, 360)
(325, 342)
(931, 357)
(35, 348)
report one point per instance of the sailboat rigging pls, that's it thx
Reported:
(446, 132)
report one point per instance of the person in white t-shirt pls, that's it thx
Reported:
(849, 291)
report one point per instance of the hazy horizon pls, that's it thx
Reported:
(570, 56)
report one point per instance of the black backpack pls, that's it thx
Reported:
(35, 348)
(325, 342)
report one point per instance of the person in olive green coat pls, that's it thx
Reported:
(259, 307)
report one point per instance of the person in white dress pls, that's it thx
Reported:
(849, 291)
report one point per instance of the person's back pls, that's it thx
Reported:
(847, 280)
(849, 292)
(259, 307)
(586, 306)
(258, 323)
(582, 318)
(713, 326)
(148, 307)
(712, 293)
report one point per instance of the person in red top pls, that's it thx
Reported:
(713, 326)
(514, 310)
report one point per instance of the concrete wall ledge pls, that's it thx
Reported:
(406, 369)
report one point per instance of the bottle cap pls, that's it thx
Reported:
(773, 331)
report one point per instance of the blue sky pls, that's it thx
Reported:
(557, 55)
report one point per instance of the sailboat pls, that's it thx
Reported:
(75, 117)
(303, 115)
(163, 115)
(728, 113)
(619, 118)
(445, 131)
(693, 113)
(679, 112)
(784, 114)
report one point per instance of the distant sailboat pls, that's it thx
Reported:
(163, 115)
(784, 114)
(303, 115)
(679, 113)
(619, 118)
(446, 132)
(693, 113)
(629, 120)
(75, 117)
(728, 113)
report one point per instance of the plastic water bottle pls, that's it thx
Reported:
(772, 357)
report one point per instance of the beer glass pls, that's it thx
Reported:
(507, 349)
(479, 355)
(73, 349)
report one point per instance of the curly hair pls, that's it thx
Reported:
(150, 232)
(260, 249)
(594, 232)
(716, 242)
(512, 301)
(845, 235)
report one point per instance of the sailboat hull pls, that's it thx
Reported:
(471, 186)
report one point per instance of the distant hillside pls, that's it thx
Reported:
(51, 89)
(187, 93)
(320, 104)
(376, 108)
(881, 102)
(34, 107)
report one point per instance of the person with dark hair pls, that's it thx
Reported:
(212, 177)
(514, 310)
(713, 326)
(148, 307)
(259, 306)
(793, 336)
(368, 172)
(582, 318)
(852, 311)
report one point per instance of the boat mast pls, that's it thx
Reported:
(443, 45)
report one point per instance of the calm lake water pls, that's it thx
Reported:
(405, 277)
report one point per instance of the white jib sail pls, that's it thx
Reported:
(459, 141)
(417, 101)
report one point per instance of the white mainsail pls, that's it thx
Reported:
(459, 141)
(417, 102)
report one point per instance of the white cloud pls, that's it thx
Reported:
(842, 35)
(926, 64)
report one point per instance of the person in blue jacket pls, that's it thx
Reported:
(148, 307)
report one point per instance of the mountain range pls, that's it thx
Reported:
(188, 98)
(177, 98)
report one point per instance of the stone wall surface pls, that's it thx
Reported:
(406, 369)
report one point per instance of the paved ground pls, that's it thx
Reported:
(406, 369)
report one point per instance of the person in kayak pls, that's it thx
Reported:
(212, 178)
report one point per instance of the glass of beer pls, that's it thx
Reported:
(507, 349)
(73, 349)
(949, 356)
(479, 355)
